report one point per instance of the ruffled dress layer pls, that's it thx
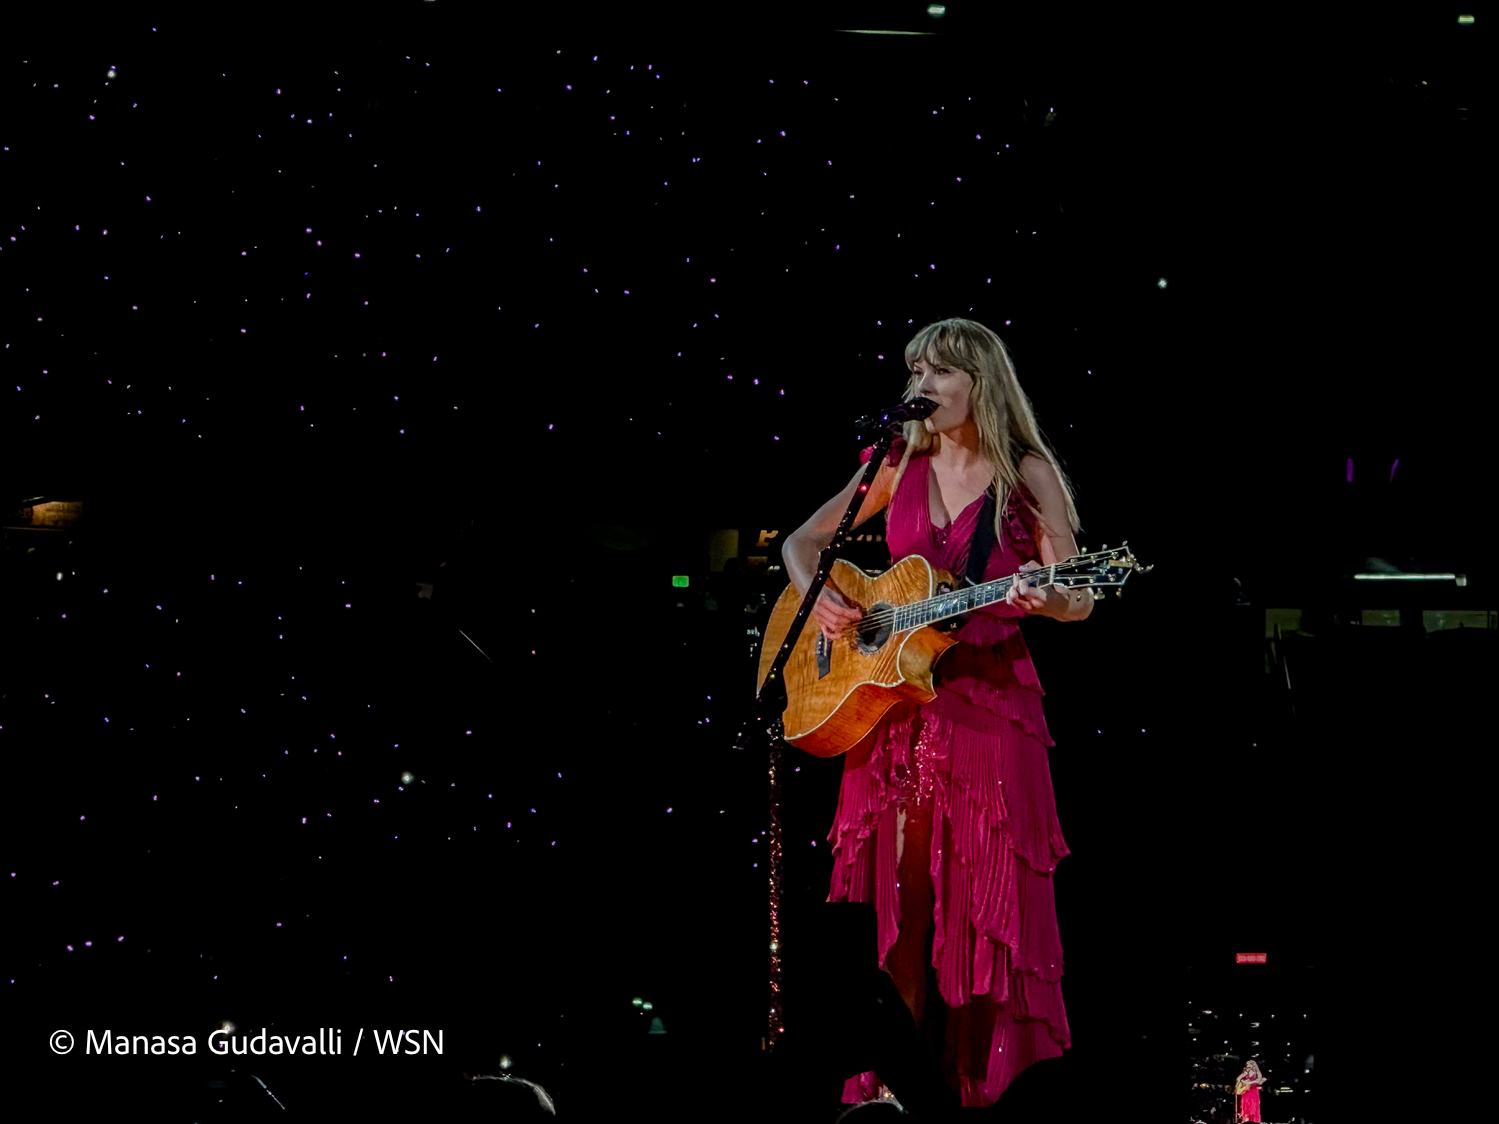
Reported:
(1249, 1104)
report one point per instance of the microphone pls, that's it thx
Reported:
(913, 410)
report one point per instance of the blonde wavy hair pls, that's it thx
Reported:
(1000, 409)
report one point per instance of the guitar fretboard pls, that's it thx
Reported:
(953, 604)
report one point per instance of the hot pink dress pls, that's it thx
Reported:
(1249, 1104)
(977, 753)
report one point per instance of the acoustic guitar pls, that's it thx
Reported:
(836, 692)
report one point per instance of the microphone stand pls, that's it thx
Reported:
(770, 706)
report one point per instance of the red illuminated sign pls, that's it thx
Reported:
(1249, 958)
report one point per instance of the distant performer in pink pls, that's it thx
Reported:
(1248, 1090)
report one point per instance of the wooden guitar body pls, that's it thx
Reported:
(835, 700)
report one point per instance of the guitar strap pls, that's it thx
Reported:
(983, 541)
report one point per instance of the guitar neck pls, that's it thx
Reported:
(1083, 571)
(960, 601)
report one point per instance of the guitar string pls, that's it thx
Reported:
(887, 616)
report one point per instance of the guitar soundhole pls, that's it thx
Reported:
(875, 628)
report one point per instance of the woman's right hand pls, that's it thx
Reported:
(833, 613)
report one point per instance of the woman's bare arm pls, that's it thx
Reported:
(804, 545)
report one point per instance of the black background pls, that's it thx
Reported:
(1228, 255)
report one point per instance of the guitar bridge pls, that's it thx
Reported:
(824, 651)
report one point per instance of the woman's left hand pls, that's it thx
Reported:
(1041, 602)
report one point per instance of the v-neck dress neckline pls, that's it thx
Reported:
(940, 534)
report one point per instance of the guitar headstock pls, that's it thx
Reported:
(1101, 568)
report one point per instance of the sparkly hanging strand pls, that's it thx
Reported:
(774, 689)
(775, 887)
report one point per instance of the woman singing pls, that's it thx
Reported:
(1248, 1090)
(946, 820)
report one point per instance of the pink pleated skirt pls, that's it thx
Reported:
(977, 755)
